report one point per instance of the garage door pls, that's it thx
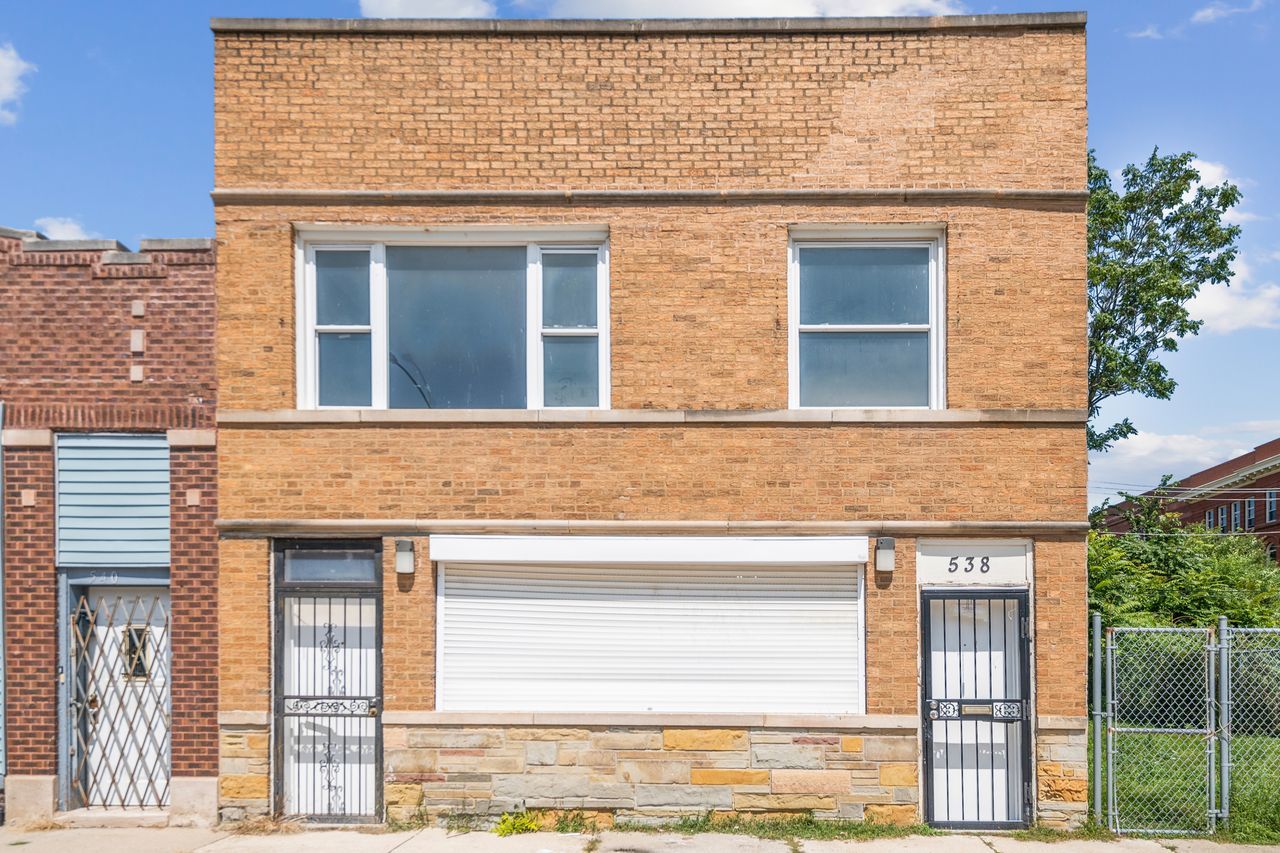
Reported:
(665, 637)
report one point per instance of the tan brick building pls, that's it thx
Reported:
(603, 404)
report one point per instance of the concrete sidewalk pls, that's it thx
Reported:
(431, 840)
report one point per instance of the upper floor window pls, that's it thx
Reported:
(1235, 515)
(453, 326)
(1222, 518)
(1271, 506)
(1208, 519)
(865, 322)
(1250, 513)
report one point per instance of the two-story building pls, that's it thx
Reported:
(652, 417)
(109, 551)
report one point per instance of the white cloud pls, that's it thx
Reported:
(753, 8)
(1211, 174)
(63, 228)
(1137, 463)
(12, 69)
(1246, 304)
(1218, 10)
(427, 8)
(1150, 32)
(1215, 174)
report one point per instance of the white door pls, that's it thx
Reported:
(975, 709)
(120, 707)
(328, 706)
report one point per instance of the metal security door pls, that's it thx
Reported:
(329, 684)
(119, 697)
(976, 709)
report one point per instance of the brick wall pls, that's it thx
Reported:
(66, 365)
(993, 107)
(698, 308)
(30, 618)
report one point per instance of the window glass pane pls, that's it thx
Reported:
(864, 285)
(344, 369)
(571, 371)
(456, 327)
(304, 564)
(342, 288)
(569, 291)
(864, 369)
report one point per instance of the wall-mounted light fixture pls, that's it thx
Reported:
(404, 556)
(884, 553)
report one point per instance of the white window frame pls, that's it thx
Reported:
(1235, 515)
(536, 242)
(1250, 513)
(932, 238)
(1222, 518)
(1271, 506)
(1208, 519)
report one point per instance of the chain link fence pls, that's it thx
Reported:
(1187, 732)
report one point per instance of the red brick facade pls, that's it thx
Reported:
(70, 361)
(1225, 490)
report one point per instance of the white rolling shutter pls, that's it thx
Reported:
(675, 638)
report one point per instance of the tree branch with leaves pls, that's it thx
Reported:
(1152, 246)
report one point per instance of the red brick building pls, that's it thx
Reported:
(107, 391)
(1241, 494)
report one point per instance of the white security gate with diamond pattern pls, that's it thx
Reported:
(119, 697)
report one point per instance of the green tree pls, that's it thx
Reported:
(1180, 576)
(1151, 248)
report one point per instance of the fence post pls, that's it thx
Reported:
(1096, 625)
(1109, 675)
(1224, 712)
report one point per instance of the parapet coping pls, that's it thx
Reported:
(249, 418)
(800, 195)
(39, 245)
(21, 234)
(254, 528)
(647, 26)
(176, 244)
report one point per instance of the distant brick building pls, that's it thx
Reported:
(652, 417)
(1241, 494)
(107, 389)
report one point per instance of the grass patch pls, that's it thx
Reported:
(780, 828)
(573, 822)
(1089, 832)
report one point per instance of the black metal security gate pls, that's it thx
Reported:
(976, 711)
(328, 746)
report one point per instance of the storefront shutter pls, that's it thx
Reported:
(673, 638)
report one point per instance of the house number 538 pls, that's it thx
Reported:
(981, 564)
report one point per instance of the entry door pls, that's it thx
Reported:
(976, 709)
(119, 697)
(328, 685)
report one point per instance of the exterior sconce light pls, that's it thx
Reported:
(884, 553)
(404, 556)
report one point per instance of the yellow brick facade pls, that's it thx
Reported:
(698, 316)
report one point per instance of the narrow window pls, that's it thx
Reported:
(864, 324)
(1208, 519)
(135, 651)
(455, 327)
(1222, 518)
(1235, 515)
(1271, 506)
(1250, 514)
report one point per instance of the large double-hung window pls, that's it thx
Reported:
(390, 325)
(866, 322)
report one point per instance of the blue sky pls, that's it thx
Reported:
(106, 129)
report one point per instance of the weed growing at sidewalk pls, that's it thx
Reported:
(780, 828)
(1089, 832)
